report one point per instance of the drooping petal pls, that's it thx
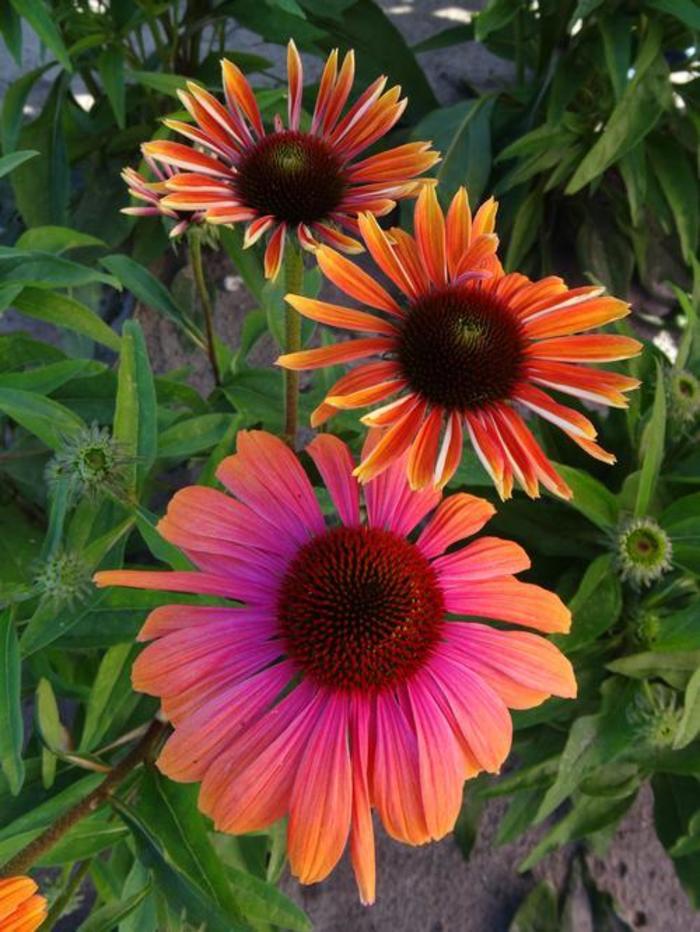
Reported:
(423, 452)
(440, 765)
(395, 774)
(346, 351)
(361, 829)
(320, 808)
(274, 253)
(480, 717)
(395, 441)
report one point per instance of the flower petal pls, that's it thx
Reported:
(508, 599)
(335, 463)
(429, 225)
(351, 279)
(458, 516)
(482, 559)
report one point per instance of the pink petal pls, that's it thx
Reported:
(457, 516)
(395, 774)
(439, 759)
(391, 503)
(480, 717)
(201, 737)
(268, 477)
(482, 559)
(508, 599)
(334, 461)
(362, 829)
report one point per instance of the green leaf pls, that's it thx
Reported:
(107, 917)
(52, 732)
(597, 604)
(135, 416)
(44, 270)
(262, 902)
(156, 81)
(689, 726)
(453, 35)
(110, 690)
(170, 812)
(687, 11)
(13, 107)
(11, 31)
(581, 753)
(652, 447)
(193, 435)
(589, 814)
(678, 180)
(584, 8)
(20, 545)
(42, 186)
(42, 22)
(151, 292)
(13, 159)
(46, 379)
(64, 311)
(635, 115)
(590, 497)
(496, 15)
(679, 631)
(463, 133)
(56, 240)
(11, 727)
(526, 227)
(50, 421)
(181, 892)
(539, 911)
(656, 663)
(88, 837)
(110, 65)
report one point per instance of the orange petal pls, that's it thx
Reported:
(274, 252)
(584, 315)
(351, 279)
(240, 93)
(362, 829)
(485, 218)
(421, 460)
(599, 347)
(383, 253)
(395, 441)
(389, 414)
(339, 95)
(407, 253)
(295, 77)
(429, 225)
(336, 353)
(450, 452)
(458, 230)
(336, 316)
(458, 516)
(175, 153)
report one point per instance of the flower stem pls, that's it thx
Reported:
(66, 895)
(24, 859)
(195, 242)
(294, 284)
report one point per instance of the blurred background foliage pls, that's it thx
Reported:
(592, 148)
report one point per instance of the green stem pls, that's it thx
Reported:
(25, 858)
(195, 242)
(293, 284)
(66, 895)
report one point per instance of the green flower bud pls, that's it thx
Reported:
(643, 552)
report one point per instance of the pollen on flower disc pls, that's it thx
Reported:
(461, 347)
(360, 608)
(295, 177)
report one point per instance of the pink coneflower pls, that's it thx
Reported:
(291, 179)
(346, 680)
(460, 347)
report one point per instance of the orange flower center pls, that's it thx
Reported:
(461, 348)
(294, 177)
(360, 608)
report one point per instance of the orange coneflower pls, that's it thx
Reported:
(339, 684)
(290, 179)
(461, 344)
(21, 908)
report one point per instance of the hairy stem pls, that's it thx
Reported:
(293, 284)
(195, 242)
(24, 859)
